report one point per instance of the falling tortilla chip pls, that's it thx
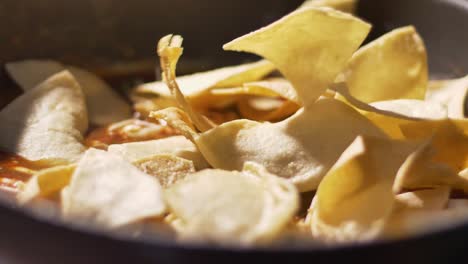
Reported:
(196, 87)
(413, 108)
(348, 6)
(30, 73)
(250, 206)
(46, 183)
(177, 145)
(355, 197)
(108, 191)
(392, 67)
(47, 122)
(301, 148)
(168, 169)
(450, 93)
(309, 58)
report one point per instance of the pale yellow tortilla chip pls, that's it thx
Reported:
(108, 191)
(47, 122)
(392, 67)
(415, 222)
(46, 183)
(168, 169)
(348, 6)
(452, 94)
(233, 207)
(29, 73)
(273, 87)
(355, 198)
(426, 199)
(196, 87)
(438, 161)
(413, 108)
(169, 51)
(247, 110)
(177, 145)
(301, 148)
(310, 46)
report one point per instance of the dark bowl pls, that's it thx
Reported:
(103, 35)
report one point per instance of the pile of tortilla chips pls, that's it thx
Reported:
(383, 150)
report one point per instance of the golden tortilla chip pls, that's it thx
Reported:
(348, 6)
(392, 67)
(29, 73)
(168, 169)
(177, 145)
(355, 197)
(46, 183)
(310, 46)
(233, 207)
(47, 122)
(108, 191)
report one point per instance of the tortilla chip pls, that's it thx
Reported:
(247, 110)
(169, 51)
(355, 197)
(168, 169)
(301, 148)
(46, 183)
(108, 191)
(348, 6)
(196, 87)
(177, 145)
(413, 222)
(427, 199)
(309, 58)
(30, 73)
(392, 67)
(413, 108)
(270, 88)
(47, 122)
(251, 206)
(450, 93)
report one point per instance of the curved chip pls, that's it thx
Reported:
(177, 145)
(29, 73)
(348, 6)
(168, 169)
(273, 87)
(310, 46)
(108, 191)
(301, 148)
(169, 51)
(392, 67)
(413, 108)
(47, 122)
(233, 207)
(247, 110)
(46, 183)
(452, 94)
(427, 199)
(355, 197)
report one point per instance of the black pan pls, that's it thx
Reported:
(104, 34)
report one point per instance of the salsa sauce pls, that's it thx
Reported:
(16, 170)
